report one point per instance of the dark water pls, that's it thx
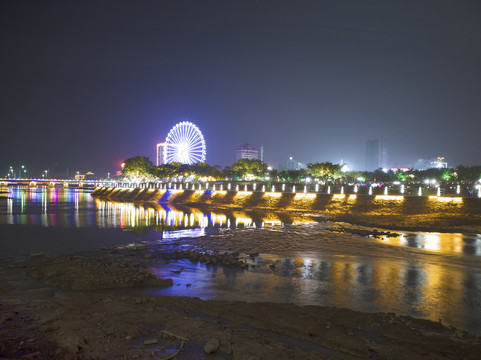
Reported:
(430, 275)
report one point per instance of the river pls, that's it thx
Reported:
(436, 276)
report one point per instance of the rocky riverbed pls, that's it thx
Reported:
(95, 305)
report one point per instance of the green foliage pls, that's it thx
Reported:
(325, 171)
(447, 175)
(138, 168)
(248, 167)
(401, 176)
(383, 177)
(200, 170)
(177, 171)
(169, 171)
(468, 173)
(292, 175)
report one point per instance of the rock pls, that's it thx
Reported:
(211, 346)
(227, 348)
(150, 341)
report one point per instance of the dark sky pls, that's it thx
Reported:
(87, 84)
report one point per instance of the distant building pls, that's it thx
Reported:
(160, 154)
(88, 176)
(439, 163)
(293, 164)
(247, 151)
(423, 164)
(376, 154)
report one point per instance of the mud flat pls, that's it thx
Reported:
(94, 305)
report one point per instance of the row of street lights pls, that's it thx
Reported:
(22, 173)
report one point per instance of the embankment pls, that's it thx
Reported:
(396, 212)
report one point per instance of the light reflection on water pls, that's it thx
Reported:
(52, 207)
(431, 291)
(456, 243)
(431, 275)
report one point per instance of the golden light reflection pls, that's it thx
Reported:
(352, 197)
(273, 194)
(219, 192)
(439, 242)
(389, 197)
(245, 221)
(305, 196)
(176, 191)
(338, 196)
(218, 219)
(272, 222)
(446, 199)
(244, 193)
(432, 242)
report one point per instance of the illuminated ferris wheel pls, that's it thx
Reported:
(184, 144)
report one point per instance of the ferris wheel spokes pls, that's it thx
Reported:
(185, 144)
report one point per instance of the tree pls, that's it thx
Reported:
(228, 173)
(468, 174)
(246, 168)
(168, 172)
(292, 175)
(138, 168)
(383, 177)
(325, 171)
(201, 169)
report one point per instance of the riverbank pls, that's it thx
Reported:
(99, 305)
(410, 213)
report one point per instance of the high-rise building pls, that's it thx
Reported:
(246, 151)
(160, 154)
(376, 154)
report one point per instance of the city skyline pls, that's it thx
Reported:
(88, 85)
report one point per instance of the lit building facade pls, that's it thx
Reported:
(423, 164)
(247, 151)
(160, 154)
(376, 155)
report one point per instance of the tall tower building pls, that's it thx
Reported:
(376, 154)
(246, 151)
(160, 154)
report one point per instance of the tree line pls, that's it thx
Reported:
(140, 169)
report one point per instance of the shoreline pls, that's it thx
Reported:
(409, 213)
(443, 223)
(94, 305)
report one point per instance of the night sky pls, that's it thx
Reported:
(87, 84)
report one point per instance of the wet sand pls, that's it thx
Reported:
(96, 305)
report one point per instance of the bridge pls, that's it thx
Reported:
(53, 183)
